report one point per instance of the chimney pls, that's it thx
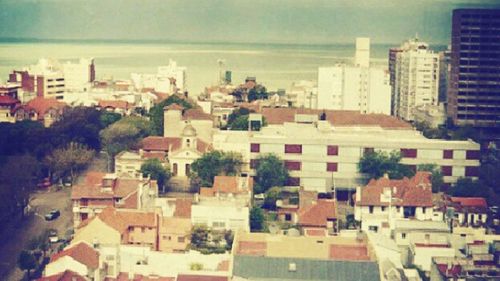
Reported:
(141, 152)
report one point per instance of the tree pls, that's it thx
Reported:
(26, 261)
(467, 187)
(199, 237)
(272, 195)
(123, 135)
(257, 219)
(436, 175)
(376, 164)
(154, 169)
(108, 118)
(216, 163)
(270, 172)
(490, 167)
(229, 237)
(18, 178)
(69, 160)
(238, 120)
(259, 92)
(156, 112)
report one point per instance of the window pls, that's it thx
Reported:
(446, 170)
(370, 209)
(332, 150)
(403, 235)
(368, 150)
(181, 239)
(143, 229)
(373, 228)
(188, 142)
(408, 153)
(472, 171)
(255, 147)
(398, 209)
(448, 154)
(424, 209)
(288, 217)
(292, 267)
(331, 167)
(472, 155)
(293, 148)
(293, 181)
(382, 208)
(293, 165)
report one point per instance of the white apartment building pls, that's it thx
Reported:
(303, 94)
(416, 78)
(79, 76)
(168, 79)
(358, 87)
(320, 156)
(48, 78)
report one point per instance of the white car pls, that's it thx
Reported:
(53, 237)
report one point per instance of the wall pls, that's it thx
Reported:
(98, 231)
(65, 263)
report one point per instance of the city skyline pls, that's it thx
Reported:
(295, 22)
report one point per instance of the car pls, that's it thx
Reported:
(54, 214)
(53, 236)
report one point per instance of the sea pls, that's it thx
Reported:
(276, 66)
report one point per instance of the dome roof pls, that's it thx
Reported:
(189, 131)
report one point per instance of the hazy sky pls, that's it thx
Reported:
(291, 21)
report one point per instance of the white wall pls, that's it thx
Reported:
(65, 263)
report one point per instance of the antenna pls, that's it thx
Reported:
(221, 63)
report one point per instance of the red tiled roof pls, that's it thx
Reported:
(153, 143)
(113, 104)
(160, 155)
(189, 277)
(429, 245)
(335, 117)
(349, 252)
(121, 220)
(202, 146)
(82, 253)
(317, 214)
(183, 207)
(226, 184)
(416, 191)
(94, 178)
(8, 100)
(174, 106)
(470, 201)
(251, 248)
(196, 114)
(454, 271)
(67, 275)
(42, 105)
(223, 265)
(123, 276)
(92, 188)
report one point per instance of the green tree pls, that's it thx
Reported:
(229, 237)
(259, 92)
(154, 169)
(108, 118)
(216, 163)
(273, 194)
(378, 163)
(69, 160)
(270, 172)
(436, 176)
(156, 112)
(467, 187)
(123, 135)
(18, 178)
(257, 219)
(199, 237)
(26, 261)
(490, 167)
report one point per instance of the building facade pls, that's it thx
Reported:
(416, 78)
(474, 93)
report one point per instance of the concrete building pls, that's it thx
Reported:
(79, 76)
(11, 89)
(324, 154)
(168, 79)
(433, 115)
(176, 118)
(416, 78)
(358, 87)
(303, 94)
(81, 259)
(473, 96)
(8, 105)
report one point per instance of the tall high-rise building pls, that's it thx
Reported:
(416, 78)
(362, 57)
(474, 90)
(79, 76)
(355, 87)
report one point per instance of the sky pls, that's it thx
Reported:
(256, 21)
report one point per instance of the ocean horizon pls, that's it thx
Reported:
(275, 65)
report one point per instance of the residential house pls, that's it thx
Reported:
(120, 226)
(45, 110)
(80, 259)
(176, 118)
(100, 190)
(117, 106)
(382, 201)
(478, 267)
(7, 108)
(263, 256)
(67, 275)
(465, 211)
(174, 234)
(229, 187)
(178, 152)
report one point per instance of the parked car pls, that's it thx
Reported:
(53, 236)
(54, 214)
(44, 184)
